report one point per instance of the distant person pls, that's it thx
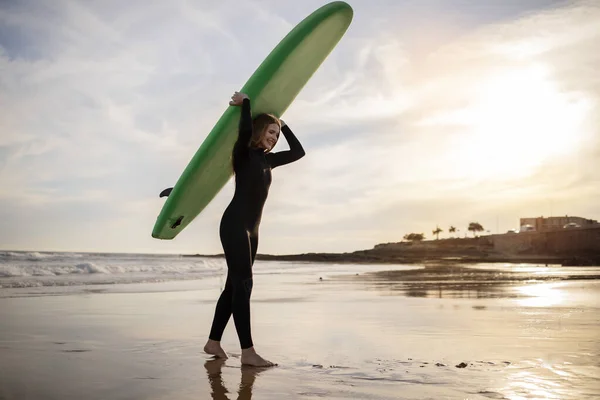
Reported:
(252, 165)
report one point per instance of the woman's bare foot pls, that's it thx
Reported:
(249, 357)
(213, 347)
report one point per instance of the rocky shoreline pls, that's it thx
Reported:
(421, 255)
(579, 247)
(566, 247)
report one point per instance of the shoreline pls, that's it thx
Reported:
(575, 247)
(375, 257)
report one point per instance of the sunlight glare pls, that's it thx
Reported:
(518, 119)
(541, 295)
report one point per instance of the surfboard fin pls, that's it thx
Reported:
(166, 192)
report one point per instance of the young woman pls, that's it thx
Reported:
(252, 165)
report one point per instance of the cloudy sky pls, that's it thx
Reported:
(430, 112)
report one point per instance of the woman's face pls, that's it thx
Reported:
(270, 137)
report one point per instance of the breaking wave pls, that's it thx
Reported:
(31, 269)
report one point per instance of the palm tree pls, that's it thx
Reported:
(452, 229)
(475, 227)
(437, 232)
(414, 237)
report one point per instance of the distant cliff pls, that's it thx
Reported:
(567, 247)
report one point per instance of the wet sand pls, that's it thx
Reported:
(480, 332)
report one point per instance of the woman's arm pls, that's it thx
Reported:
(245, 128)
(295, 152)
(245, 124)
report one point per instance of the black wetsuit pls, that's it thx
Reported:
(240, 223)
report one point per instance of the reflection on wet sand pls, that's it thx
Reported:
(453, 281)
(541, 294)
(543, 320)
(219, 391)
(546, 381)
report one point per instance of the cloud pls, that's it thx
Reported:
(106, 102)
(430, 162)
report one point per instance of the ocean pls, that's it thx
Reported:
(132, 326)
(32, 269)
(38, 269)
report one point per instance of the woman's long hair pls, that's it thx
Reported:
(259, 127)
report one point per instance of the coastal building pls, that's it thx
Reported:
(541, 224)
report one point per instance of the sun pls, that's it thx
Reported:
(517, 119)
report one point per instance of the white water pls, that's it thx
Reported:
(43, 269)
(33, 269)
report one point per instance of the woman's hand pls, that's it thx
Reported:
(237, 99)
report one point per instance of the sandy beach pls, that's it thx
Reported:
(354, 334)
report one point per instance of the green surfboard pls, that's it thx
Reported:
(271, 88)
